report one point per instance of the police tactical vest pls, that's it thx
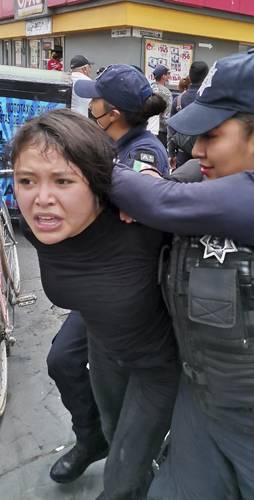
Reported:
(208, 285)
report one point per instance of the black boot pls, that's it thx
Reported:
(71, 465)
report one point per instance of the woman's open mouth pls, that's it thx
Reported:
(47, 222)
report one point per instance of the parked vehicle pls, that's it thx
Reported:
(25, 93)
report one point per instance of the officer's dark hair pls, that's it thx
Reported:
(154, 105)
(248, 120)
(78, 139)
(198, 72)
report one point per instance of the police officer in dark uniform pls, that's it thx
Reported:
(122, 103)
(209, 288)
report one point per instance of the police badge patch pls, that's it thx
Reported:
(146, 157)
(217, 247)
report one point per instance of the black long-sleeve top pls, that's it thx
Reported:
(109, 273)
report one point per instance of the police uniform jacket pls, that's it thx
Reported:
(208, 279)
(141, 145)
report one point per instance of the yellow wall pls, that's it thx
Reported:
(124, 14)
(12, 30)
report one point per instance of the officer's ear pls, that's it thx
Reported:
(114, 114)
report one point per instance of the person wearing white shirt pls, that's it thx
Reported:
(80, 70)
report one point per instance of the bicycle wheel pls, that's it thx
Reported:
(3, 376)
(6, 329)
(10, 255)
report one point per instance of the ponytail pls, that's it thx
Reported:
(154, 105)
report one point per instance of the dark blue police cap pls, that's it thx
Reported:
(226, 91)
(160, 70)
(121, 85)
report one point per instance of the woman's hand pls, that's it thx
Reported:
(126, 218)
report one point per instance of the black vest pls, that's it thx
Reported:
(212, 306)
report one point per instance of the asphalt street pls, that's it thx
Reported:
(36, 429)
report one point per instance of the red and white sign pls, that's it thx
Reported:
(177, 58)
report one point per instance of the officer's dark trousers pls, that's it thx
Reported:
(208, 459)
(67, 362)
(136, 404)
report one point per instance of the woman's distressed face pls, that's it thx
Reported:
(53, 195)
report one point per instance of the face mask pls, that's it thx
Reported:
(97, 118)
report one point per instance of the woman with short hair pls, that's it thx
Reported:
(93, 263)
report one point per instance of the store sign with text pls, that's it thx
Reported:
(38, 27)
(14, 112)
(176, 56)
(27, 8)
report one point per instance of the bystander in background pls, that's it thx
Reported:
(161, 75)
(81, 69)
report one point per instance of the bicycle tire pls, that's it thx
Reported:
(9, 255)
(3, 376)
(6, 328)
(7, 295)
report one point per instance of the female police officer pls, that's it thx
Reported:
(209, 286)
(122, 102)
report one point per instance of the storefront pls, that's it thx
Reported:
(30, 52)
(140, 33)
(38, 42)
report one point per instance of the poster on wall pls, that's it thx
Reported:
(177, 57)
(18, 52)
(34, 46)
(13, 113)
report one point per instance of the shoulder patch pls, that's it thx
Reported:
(146, 157)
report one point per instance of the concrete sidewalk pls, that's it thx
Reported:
(36, 423)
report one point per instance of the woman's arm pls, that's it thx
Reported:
(223, 207)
